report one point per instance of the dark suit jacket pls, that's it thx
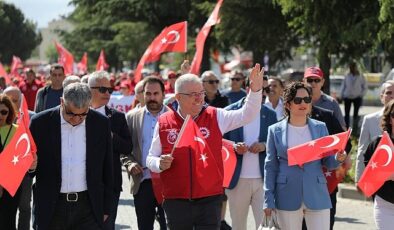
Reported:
(46, 131)
(121, 140)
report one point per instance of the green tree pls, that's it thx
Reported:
(345, 28)
(386, 33)
(18, 35)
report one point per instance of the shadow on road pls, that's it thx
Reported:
(349, 220)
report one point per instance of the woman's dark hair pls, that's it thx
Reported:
(385, 122)
(291, 91)
(282, 85)
(5, 100)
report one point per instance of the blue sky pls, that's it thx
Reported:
(42, 11)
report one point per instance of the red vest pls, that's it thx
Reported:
(179, 181)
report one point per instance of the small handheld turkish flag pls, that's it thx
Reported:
(379, 168)
(229, 161)
(171, 39)
(317, 149)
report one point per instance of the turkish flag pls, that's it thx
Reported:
(101, 63)
(334, 177)
(229, 161)
(25, 119)
(202, 37)
(66, 59)
(15, 65)
(379, 168)
(171, 39)
(15, 160)
(317, 149)
(4, 74)
(83, 64)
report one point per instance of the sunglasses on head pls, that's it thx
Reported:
(4, 112)
(103, 89)
(316, 80)
(235, 79)
(298, 100)
(212, 81)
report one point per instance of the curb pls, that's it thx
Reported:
(348, 191)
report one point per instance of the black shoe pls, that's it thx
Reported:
(224, 225)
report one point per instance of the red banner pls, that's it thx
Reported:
(83, 64)
(101, 62)
(66, 59)
(229, 161)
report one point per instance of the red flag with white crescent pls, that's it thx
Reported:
(317, 149)
(171, 39)
(66, 59)
(202, 37)
(229, 161)
(379, 168)
(101, 62)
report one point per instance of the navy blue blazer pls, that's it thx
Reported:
(46, 130)
(287, 187)
(267, 118)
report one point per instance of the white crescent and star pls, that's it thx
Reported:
(198, 139)
(15, 158)
(389, 153)
(334, 142)
(227, 153)
(173, 41)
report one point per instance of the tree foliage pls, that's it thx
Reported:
(386, 33)
(18, 35)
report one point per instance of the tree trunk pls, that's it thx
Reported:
(325, 65)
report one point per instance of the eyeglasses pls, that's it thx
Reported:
(4, 112)
(316, 80)
(212, 81)
(103, 89)
(298, 100)
(267, 89)
(194, 94)
(71, 114)
(236, 79)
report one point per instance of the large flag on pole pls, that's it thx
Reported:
(4, 74)
(82, 66)
(379, 168)
(101, 62)
(66, 59)
(317, 149)
(202, 37)
(18, 155)
(171, 39)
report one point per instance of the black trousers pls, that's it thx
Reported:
(145, 207)
(24, 203)
(110, 222)
(357, 102)
(8, 207)
(74, 215)
(199, 214)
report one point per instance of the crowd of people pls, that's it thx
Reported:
(83, 143)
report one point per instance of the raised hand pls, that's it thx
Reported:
(256, 78)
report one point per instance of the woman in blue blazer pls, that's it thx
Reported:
(295, 192)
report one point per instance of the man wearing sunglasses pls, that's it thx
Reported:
(313, 77)
(211, 84)
(100, 86)
(235, 92)
(74, 177)
(49, 96)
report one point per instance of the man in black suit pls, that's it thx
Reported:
(74, 175)
(100, 86)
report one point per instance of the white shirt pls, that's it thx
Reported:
(227, 121)
(73, 157)
(101, 110)
(279, 110)
(298, 135)
(250, 161)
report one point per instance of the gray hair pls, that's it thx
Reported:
(70, 79)
(85, 78)
(77, 94)
(385, 85)
(184, 80)
(207, 74)
(98, 75)
(14, 89)
(138, 86)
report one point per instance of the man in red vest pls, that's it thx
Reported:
(187, 203)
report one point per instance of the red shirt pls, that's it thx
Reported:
(181, 181)
(30, 92)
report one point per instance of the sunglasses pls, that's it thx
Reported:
(4, 112)
(103, 89)
(298, 100)
(71, 114)
(194, 94)
(212, 81)
(235, 79)
(316, 80)
(267, 89)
